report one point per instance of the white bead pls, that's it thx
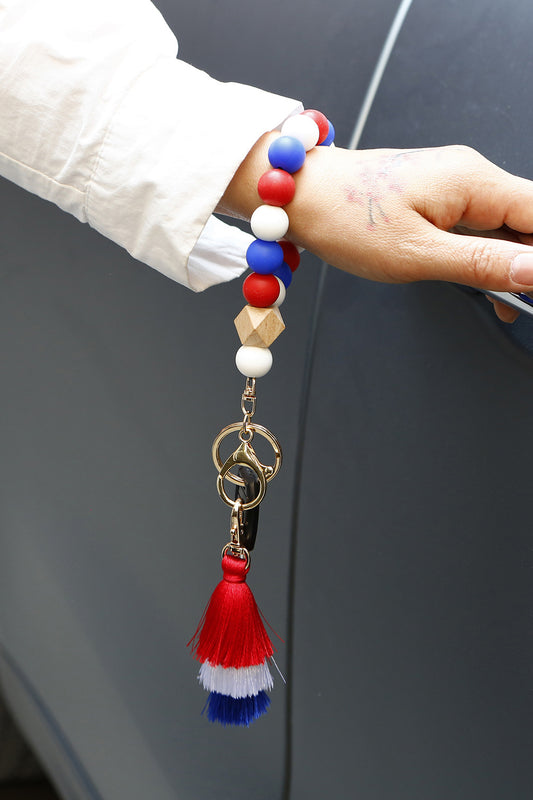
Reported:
(282, 293)
(269, 223)
(302, 128)
(253, 362)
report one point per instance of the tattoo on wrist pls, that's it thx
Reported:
(377, 181)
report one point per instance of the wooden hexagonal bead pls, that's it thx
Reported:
(259, 327)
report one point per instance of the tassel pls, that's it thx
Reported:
(228, 711)
(234, 648)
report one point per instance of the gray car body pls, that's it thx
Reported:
(394, 551)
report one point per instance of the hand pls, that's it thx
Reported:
(401, 215)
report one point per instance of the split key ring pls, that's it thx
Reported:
(246, 456)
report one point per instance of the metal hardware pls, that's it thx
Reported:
(244, 455)
(242, 553)
(235, 546)
(248, 405)
(269, 472)
(236, 523)
(249, 474)
(248, 399)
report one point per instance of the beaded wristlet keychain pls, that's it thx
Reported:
(231, 641)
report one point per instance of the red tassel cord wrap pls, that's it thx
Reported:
(231, 632)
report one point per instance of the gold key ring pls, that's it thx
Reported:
(269, 472)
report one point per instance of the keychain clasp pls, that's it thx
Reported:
(235, 547)
(245, 456)
(247, 452)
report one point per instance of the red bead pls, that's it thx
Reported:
(291, 256)
(276, 187)
(260, 291)
(321, 121)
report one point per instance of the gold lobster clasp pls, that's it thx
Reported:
(245, 455)
(235, 547)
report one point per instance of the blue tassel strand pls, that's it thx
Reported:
(236, 711)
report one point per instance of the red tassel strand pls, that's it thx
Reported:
(231, 632)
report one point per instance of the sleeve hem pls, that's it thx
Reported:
(167, 157)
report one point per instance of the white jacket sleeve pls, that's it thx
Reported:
(98, 116)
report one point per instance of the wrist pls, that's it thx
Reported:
(241, 197)
(312, 197)
(305, 210)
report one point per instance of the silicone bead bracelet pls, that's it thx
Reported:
(273, 261)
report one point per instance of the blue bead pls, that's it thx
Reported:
(331, 135)
(264, 257)
(286, 153)
(284, 273)
(232, 711)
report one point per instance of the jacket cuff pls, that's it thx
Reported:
(169, 152)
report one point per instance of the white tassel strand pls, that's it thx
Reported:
(236, 682)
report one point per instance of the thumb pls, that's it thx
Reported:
(483, 263)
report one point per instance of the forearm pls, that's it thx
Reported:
(98, 116)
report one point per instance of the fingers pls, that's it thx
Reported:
(483, 263)
(462, 188)
(503, 312)
(497, 198)
(485, 197)
(498, 203)
(387, 215)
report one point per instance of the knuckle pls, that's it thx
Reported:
(481, 264)
(465, 150)
(470, 158)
